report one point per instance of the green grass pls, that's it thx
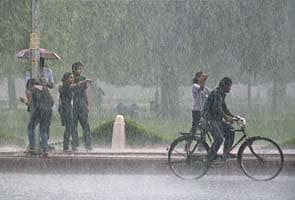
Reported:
(136, 135)
(281, 127)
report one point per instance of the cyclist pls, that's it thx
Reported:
(216, 119)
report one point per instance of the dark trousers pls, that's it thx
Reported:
(196, 116)
(81, 114)
(220, 131)
(68, 123)
(43, 117)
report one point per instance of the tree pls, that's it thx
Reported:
(14, 20)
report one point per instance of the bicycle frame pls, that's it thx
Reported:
(249, 152)
(240, 140)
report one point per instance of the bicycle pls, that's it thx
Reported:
(260, 158)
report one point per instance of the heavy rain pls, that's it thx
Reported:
(138, 61)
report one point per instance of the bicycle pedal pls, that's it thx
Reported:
(216, 163)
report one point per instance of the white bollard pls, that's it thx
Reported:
(118, 139)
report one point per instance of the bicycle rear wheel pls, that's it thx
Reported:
(261, 158)
(186, 157)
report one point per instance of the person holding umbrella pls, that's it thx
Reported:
(46, 75)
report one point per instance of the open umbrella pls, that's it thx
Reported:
(44, 53)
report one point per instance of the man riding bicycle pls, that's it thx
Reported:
(216, 119)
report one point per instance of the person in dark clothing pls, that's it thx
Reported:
(66, 109)
(41, 102)
(215, 118)
(81, 106)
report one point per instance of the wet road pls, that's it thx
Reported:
(133, 187)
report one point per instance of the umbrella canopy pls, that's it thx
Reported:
(44, 53)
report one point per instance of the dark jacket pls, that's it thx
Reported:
(79, 99)
(215, 106)
(65, 108)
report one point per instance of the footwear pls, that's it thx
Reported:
(210, 158)
(229, 155)
(45, 154)
(31, 152)
(74, 148)
(89, 148)
(67, 151)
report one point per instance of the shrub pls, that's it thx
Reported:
(136, 135)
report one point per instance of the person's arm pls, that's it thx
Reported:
(73, 85)
(87, 99)
(228, 116)
(29, 97)
(49, 85)
(50, 82)
(51, 98)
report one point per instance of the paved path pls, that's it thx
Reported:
(128, 161)
(143, 187)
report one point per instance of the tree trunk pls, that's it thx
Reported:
(11, 93)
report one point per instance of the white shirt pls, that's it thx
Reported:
(46, 74)
(199, 97)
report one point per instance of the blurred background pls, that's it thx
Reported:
(143, 54)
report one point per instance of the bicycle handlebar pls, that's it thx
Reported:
(241, 121)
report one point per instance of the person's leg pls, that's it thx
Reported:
(66, 137)
(75, 143)
(31, 137)
(229, 136)
(196, 115)
(216, 133)
(45, 121)
(44, 138)
(31, 130)
(83, 119)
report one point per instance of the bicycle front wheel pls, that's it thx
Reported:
(186, 157)
(261, 158)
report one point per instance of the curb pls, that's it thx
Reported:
(111, 163)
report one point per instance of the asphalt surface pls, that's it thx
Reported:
(141, 187)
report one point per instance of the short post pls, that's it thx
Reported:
(118, 139)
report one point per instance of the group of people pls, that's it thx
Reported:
(209, 109)
(73, 107)
(212, 114)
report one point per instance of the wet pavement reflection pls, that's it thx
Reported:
(131, 187)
